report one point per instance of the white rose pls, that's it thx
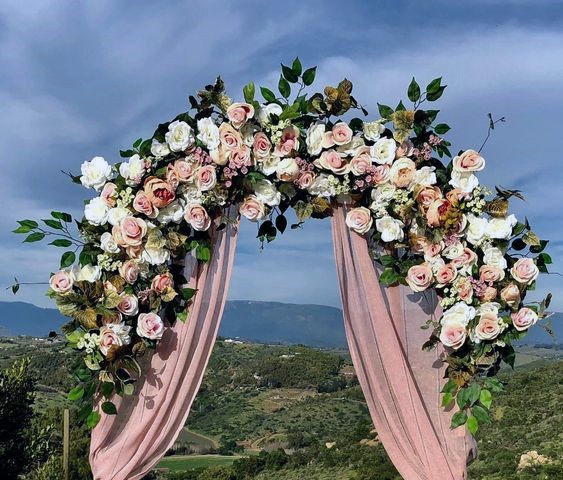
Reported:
(116, 214)
(453, 251)
(121, 330)
(133, 170)
(158, 149)
(88, 273)
(373, 130)
(192, 194)
(95, 173)
(493, 257)
(459, 313)
(488, 307)
(390, 228)
(265, 111)
(383, 151)
(476, 230)
(269, 165)
(267, 193)
(108, 244)
(179, 136)
(383, 192)
(287, 169)
(155, 256)
(322, 186)
(171, 213)
(208, 133)
(425, 176)
(465, 181)
(315, 136)
(96, 211)
(501, 228)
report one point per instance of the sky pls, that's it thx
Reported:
(80, 79)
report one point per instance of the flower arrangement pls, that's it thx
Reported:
(438, 227)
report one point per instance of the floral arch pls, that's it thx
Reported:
(428, 223)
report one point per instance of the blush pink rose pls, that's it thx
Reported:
(328, 141)
(142, 204)
(229, 137)
(361, 162)
(490, 274)
(468, 161)
(108, 194)
(130, 232)
(161, 283)
(488, 327)
(341, 133)
(359, 219)
(159, 192)
(206, 178)
(108, 339)
(129, 270)
(197, 216)
(261, 146)
(380, 174)
(524, 271)
(150, 325)
(524, 319)
(240, 157)
(405, 149)
(172, 177)
(129, 305)
(446, 274)
(185, 169)
(239, 113)
(511, 295)
(420, 277)
(453, 335)
(289, 142)
(467, 259)
(61, 282)
(305, 179)
(331, 160)
(252, 208)
(432, 249)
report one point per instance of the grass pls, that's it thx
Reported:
(189, 462)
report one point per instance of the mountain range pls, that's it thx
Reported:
(265, 322)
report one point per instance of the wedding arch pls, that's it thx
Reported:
(433, 271)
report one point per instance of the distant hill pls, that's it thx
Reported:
(266, 322)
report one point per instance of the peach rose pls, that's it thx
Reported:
(524, 319)
(129, 305)
(488, 327)
(381, 174)
(130, 232)
(108, 194)
(161, 283)
(305, 179)
(159, 192)
(446, 274)
(524, 271)
(185, 169)
(511, 295)
(361, 162)
(331, 160)
(61, 282)
(206, 178)
(468, 161)
(220, 155)
(142, 204)
(289, 141)
(252, 208)
(341, 133)
(261, 146)
(150, 325)
(172, 177)
(359, 219)
(420, 277)
(229, 137)
(428, 195)
(197, 217)
(453, 334)
(465, 289)
(433, 214)
(239, 113)
(490, 274)
(402, 172)
(129, 270)
(489, 294)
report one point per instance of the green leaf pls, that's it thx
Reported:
(480, 414)
(203, 253)
(15, 288)
(137, 142)
(473, 392)
(388, 277)
(384, 110)
(67, 259)
(61, 242)
(53, 224)
(486, 398)
(182, 315)
(309, 76)
(296, 66)
(128, 389)
(434, 85)
(462, 398)
(264, 228)
(248, 92)
(432, 97)
(268, 95)
(107, 389)
(387, 260)
(458, 419)
(284, 87)
(92, 419)
(449, 387)
(22, 229)
(414, 91)
(188, 293)
(109, 408)
(76, 393)
(441, 128)
(28, 223)
(289, 74)
(518, 244)
(281, 223)
(35, 237)
(539, 248)
(472, 425)
(447, 398)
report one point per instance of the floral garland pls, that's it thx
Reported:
(442, 228)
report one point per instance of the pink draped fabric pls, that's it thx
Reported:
(400, 381)
(128, 445)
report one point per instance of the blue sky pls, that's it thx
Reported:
(80, 79)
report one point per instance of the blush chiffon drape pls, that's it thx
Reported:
(400, 381)
(128, 445)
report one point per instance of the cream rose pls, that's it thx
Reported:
(402, 172)
(266, 192)
(420, 277)
(524, 319)
(197, 217)
(265, 111)
(373, 130)
(150, 325)
(524, 271)
(95, 173)
(62, 282)
(133, 170)
(180, 136)
(493, 257)
(459, 313)
(88, 273)
(315, 136)
(116, 214)
(158, 149)
(383, 151)
(108, 243)
(287, 169)
(465, 182)
(476, 230)
(359, 219)
(501, 228)
(468, 161)
(252, 208)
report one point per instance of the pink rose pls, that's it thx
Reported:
(252, 208)
(239, 113)
(172, 177)
(468, 161)
(467, 259)
(161, 283)
(61, 282)
(130, 232)
(524, 319)
(150, 325)
(428, 195)
(305, 179)
(453, 334)
(446, 274)
(489, 274)
(361, 162)
(431, 250)
(129, 270)
(380, 174)
(511, 295)
(240, 157)
(465, 290)
(341, 133)
(331, 160)
(261, 146)
(289, 141)
(420, 277)
(129, 305)
(488, 327)
(197, 217)
(359, 219)
(108, 339)
(405, 149)
(206, 178)
(108, 194)
(328, 141)
(159, 192)
(142, 204)
(489, 294)
(185, 169)
(524, 271)
(229, 137)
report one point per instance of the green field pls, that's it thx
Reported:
(189, 462)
